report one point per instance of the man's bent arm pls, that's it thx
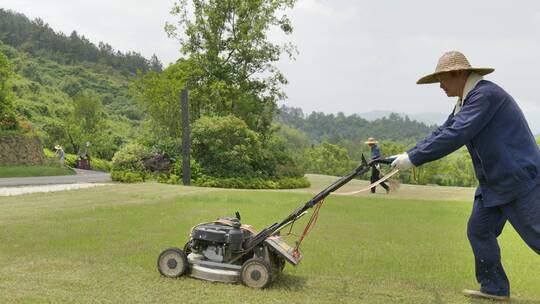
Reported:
(472, 118)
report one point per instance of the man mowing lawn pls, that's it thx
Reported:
(506, 161)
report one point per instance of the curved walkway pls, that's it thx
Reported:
(82, 176)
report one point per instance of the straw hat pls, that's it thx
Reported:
(58, 147)
(452, 61)
(370, 141)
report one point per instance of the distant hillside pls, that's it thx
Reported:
(330, 127)
(432, 118)
(38, 39)
(50, 69)
(43, 92)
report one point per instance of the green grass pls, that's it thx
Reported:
(100, 246)
(25, 171)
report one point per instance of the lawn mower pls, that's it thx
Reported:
(225, 250)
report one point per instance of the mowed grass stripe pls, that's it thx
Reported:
(100, 245)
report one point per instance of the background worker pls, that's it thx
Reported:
(506, 161)
(375, 172)
(60, 153)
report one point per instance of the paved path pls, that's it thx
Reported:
(83, 176)
(11, 191)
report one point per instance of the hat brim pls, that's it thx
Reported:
(432, 78)
(371, 142)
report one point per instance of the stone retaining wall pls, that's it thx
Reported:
(20, 150)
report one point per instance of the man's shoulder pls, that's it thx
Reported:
(488, 87)
(489, 90)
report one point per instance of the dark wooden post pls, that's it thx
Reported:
(186, 173)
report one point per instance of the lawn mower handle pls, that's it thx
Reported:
(364, 167)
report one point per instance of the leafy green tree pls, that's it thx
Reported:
(8, 120)
(159, 95)
(155, 64)
(87, 111)
(329, 159)
(232, 60)
(86, 121)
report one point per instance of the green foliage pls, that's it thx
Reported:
(8, 120)
(38, 39)
(71, 161)
(253, 183)
(276, 159)
(130, 158)
(230, 58)
(225, 146)
(343, 144)
(196, 169)
(328, 159)
(127, 176)
(100, 164)
(159, 96)
(87, 111)
(351, 131)
(294, 138)
(46, 102)
(452, 170)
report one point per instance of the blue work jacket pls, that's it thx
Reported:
(375, 152)
(503, 149)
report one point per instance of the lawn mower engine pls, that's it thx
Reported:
(222, 251)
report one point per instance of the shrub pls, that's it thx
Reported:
(225, 146)
(127, 176)
(100, 164)
(195, 168)
(130, 158)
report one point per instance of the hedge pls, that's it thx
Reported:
(127, 176)
(252, 183)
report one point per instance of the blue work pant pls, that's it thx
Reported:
(486, 224)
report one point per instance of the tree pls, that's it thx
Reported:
(85, 121)
(155, 64)
(8, 120)
(329, 159)
(231, 56)
(159, 95)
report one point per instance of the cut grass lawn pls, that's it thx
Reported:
(25, 171)
(100, 246)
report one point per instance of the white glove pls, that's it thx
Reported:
(402, 162)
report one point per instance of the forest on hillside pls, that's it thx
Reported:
(37, 38)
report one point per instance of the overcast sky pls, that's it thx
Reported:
(354, 56)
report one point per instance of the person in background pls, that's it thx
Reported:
(60, 153)
(506, 161)
(375, 172)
